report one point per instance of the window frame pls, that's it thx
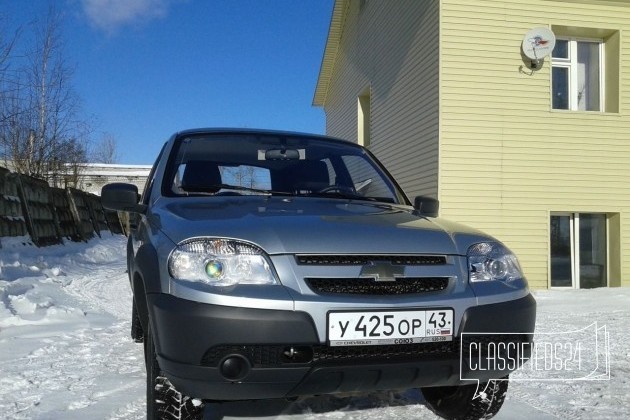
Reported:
(571, 64)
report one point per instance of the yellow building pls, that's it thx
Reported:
(534, 152)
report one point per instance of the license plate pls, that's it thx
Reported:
(392, 327)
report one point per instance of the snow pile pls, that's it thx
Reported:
(65, 350)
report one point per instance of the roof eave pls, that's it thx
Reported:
(330, 52)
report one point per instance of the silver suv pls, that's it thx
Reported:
(270, 264)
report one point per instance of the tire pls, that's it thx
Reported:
(457, 403)
(163, 400)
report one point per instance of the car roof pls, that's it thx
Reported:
(227, 130)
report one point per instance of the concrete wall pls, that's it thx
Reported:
(32, 211)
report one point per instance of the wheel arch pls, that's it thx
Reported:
(145, 279)
(140, 301)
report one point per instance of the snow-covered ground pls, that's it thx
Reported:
(65, 351)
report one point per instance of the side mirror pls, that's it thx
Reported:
(121, 196)
(427, 206)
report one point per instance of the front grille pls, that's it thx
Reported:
(261, 356)
(369, 286)
(366, 259)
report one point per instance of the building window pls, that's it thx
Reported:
(578, 74)
(578, 250)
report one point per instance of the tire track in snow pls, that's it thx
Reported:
(83, 369)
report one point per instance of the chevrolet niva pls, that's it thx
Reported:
(268, 264)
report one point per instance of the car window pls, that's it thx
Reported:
(246, 176)
(246, 164)
(365, 179)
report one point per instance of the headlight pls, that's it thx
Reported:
(220, 262)
(492, 261)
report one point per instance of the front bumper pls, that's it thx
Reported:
(281, 356)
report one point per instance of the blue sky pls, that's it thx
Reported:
(147, 68)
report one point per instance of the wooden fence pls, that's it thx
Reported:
(29, 206)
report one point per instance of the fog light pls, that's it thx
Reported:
(234, 367)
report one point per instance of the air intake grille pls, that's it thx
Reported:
(323, 354)
(369, 286)
(366, 259)
(261, 356)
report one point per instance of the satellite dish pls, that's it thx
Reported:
(538, 44)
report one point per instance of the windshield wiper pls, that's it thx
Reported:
(211, 189)
(347, 195)
(341, 194)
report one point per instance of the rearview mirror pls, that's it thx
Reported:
(121, 196)
(282, 154)
(427, 206)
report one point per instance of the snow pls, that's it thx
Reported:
(65, 350)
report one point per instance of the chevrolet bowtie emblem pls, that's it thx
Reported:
(382, 271)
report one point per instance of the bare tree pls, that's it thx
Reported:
(9, 88)
(68, 171)
(75, 164)
(106, 151)
(41, 122)
(242, 176)
(6, 46)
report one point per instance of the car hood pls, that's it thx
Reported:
(308, 225)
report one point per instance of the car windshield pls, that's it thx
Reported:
(267, 164)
